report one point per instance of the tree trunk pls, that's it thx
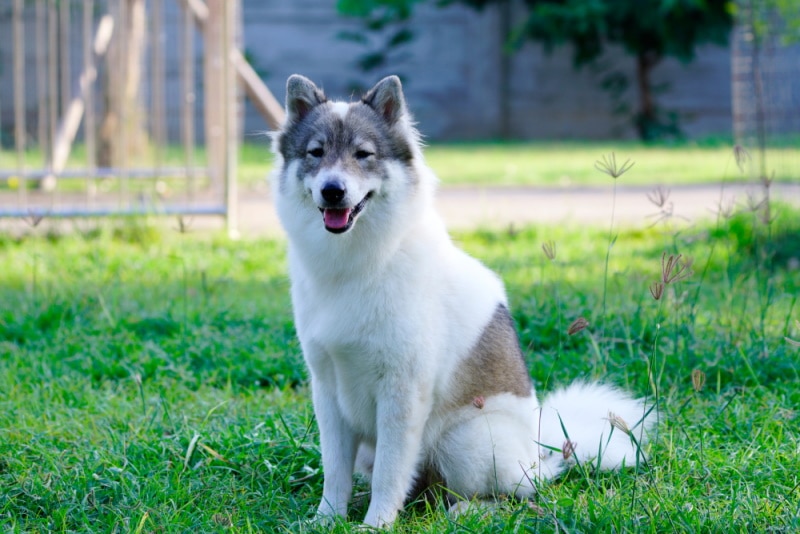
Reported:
(647, 121)
(122, 134)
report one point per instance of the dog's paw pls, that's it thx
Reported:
(377, 520)
(319, 523)
(482, 507)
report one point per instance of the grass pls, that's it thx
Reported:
(151, 381)
(534, 163)
(563, 164)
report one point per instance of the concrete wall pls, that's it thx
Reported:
(455, 75)
(459, 83)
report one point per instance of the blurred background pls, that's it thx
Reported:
(139, 106)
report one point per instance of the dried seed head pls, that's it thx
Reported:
(741, 155)
(657, 289)
(577, 325)
(184, 224)
(767, 182)
(222, 520)
(618, 423)
(726, 209)
(658, 196)
(698, 380)
(568, 449)
(33, 219)
(549, 249)
(673, 270)
(754, 203)
(608, 165)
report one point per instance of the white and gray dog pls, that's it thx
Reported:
(416, 371)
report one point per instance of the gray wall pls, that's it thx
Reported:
(459, 83)
(455, 76)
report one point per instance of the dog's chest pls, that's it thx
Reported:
(364, 338)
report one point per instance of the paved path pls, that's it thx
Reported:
(495, 207)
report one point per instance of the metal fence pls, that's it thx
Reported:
(766, 88)
(122, 107)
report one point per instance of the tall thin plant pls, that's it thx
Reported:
(608, 165)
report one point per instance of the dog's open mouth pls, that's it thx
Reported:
(340, 220)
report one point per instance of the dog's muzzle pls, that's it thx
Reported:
(340, 220)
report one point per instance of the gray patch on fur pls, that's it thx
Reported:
(495, 364)
(315, 121)
(339, 135)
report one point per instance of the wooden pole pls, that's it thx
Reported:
(90, 122)
(52, 72)
(188, 101)
(19, 99)
(259, 94)
(119, 152)
(231, 119)
(257, 91)
(157, 79)
(214, 92)
(41, 79)
(66, 60)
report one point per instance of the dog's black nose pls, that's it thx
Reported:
(333, 191)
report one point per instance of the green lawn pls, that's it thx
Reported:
(535, 163)
(564, 164)
(151, 381)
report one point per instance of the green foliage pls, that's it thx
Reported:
(155, 384)
(779, 18)
(362, 8)
(384, 33)
(648, 30)
(662, 28)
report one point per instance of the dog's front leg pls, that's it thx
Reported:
(338, 444)
(401, 416)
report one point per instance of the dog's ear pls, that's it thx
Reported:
(387, 99)
(301, 97)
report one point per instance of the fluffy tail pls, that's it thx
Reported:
(592, 424)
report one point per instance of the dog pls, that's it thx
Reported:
(417, 375)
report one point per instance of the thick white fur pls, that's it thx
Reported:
(386, 313)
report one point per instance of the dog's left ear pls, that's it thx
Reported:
(301, 97)
(387, 99)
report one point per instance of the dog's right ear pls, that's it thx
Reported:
(301, 97)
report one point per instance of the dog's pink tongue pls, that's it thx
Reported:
(336, 218)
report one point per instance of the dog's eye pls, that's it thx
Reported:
(363, 154)
(316, 152)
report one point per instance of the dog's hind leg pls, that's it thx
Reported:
(365, 460)
(494, 452)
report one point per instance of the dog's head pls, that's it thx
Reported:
(344, 160)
